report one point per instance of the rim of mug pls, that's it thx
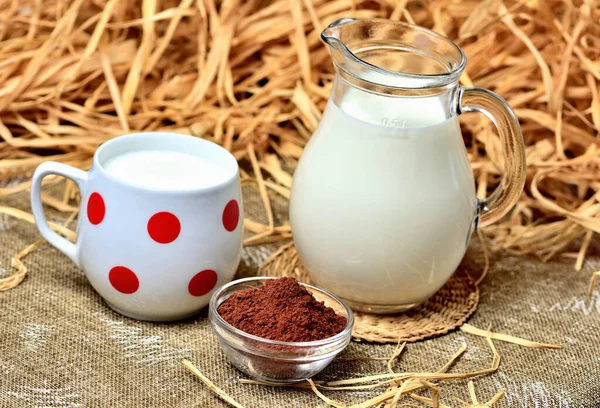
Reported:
(234, 169)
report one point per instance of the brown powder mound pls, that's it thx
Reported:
(281, 310)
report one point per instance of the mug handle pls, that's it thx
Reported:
(47, 168)
(511, 185)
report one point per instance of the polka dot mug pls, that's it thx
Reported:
(154, 248)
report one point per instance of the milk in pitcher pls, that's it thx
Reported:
(365, 218)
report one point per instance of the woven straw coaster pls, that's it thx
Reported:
(448, 309)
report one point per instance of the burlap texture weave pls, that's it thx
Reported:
(61, 346)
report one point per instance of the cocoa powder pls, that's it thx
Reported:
(283, 310)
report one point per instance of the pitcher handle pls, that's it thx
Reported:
(500, 113)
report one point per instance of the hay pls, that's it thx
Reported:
(467, 328)
(254, 77)
(222, 394)
(402, 384)
(407, 384)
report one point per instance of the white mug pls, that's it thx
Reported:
(153, 253)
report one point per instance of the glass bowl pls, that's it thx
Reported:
(277, 361)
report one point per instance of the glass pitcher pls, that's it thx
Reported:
(383, 199)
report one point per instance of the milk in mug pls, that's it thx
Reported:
(163, 169)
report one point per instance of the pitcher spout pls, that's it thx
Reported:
(332, 37)
(392, 54)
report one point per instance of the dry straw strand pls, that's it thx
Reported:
(327, 400)
(593, 282)
(467, 328)
(17, 263)
(222, 394)
(406, 384)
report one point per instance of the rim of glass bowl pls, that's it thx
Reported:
(212, 309)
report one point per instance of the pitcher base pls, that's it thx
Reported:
(379, 309)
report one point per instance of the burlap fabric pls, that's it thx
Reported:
(61, 346)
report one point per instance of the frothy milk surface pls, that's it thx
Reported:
(382, 214)
(162, 169)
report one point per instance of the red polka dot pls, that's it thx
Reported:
(231, 215)
(203, 282)
(96, 208)
(123, 279)
(164, 227)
